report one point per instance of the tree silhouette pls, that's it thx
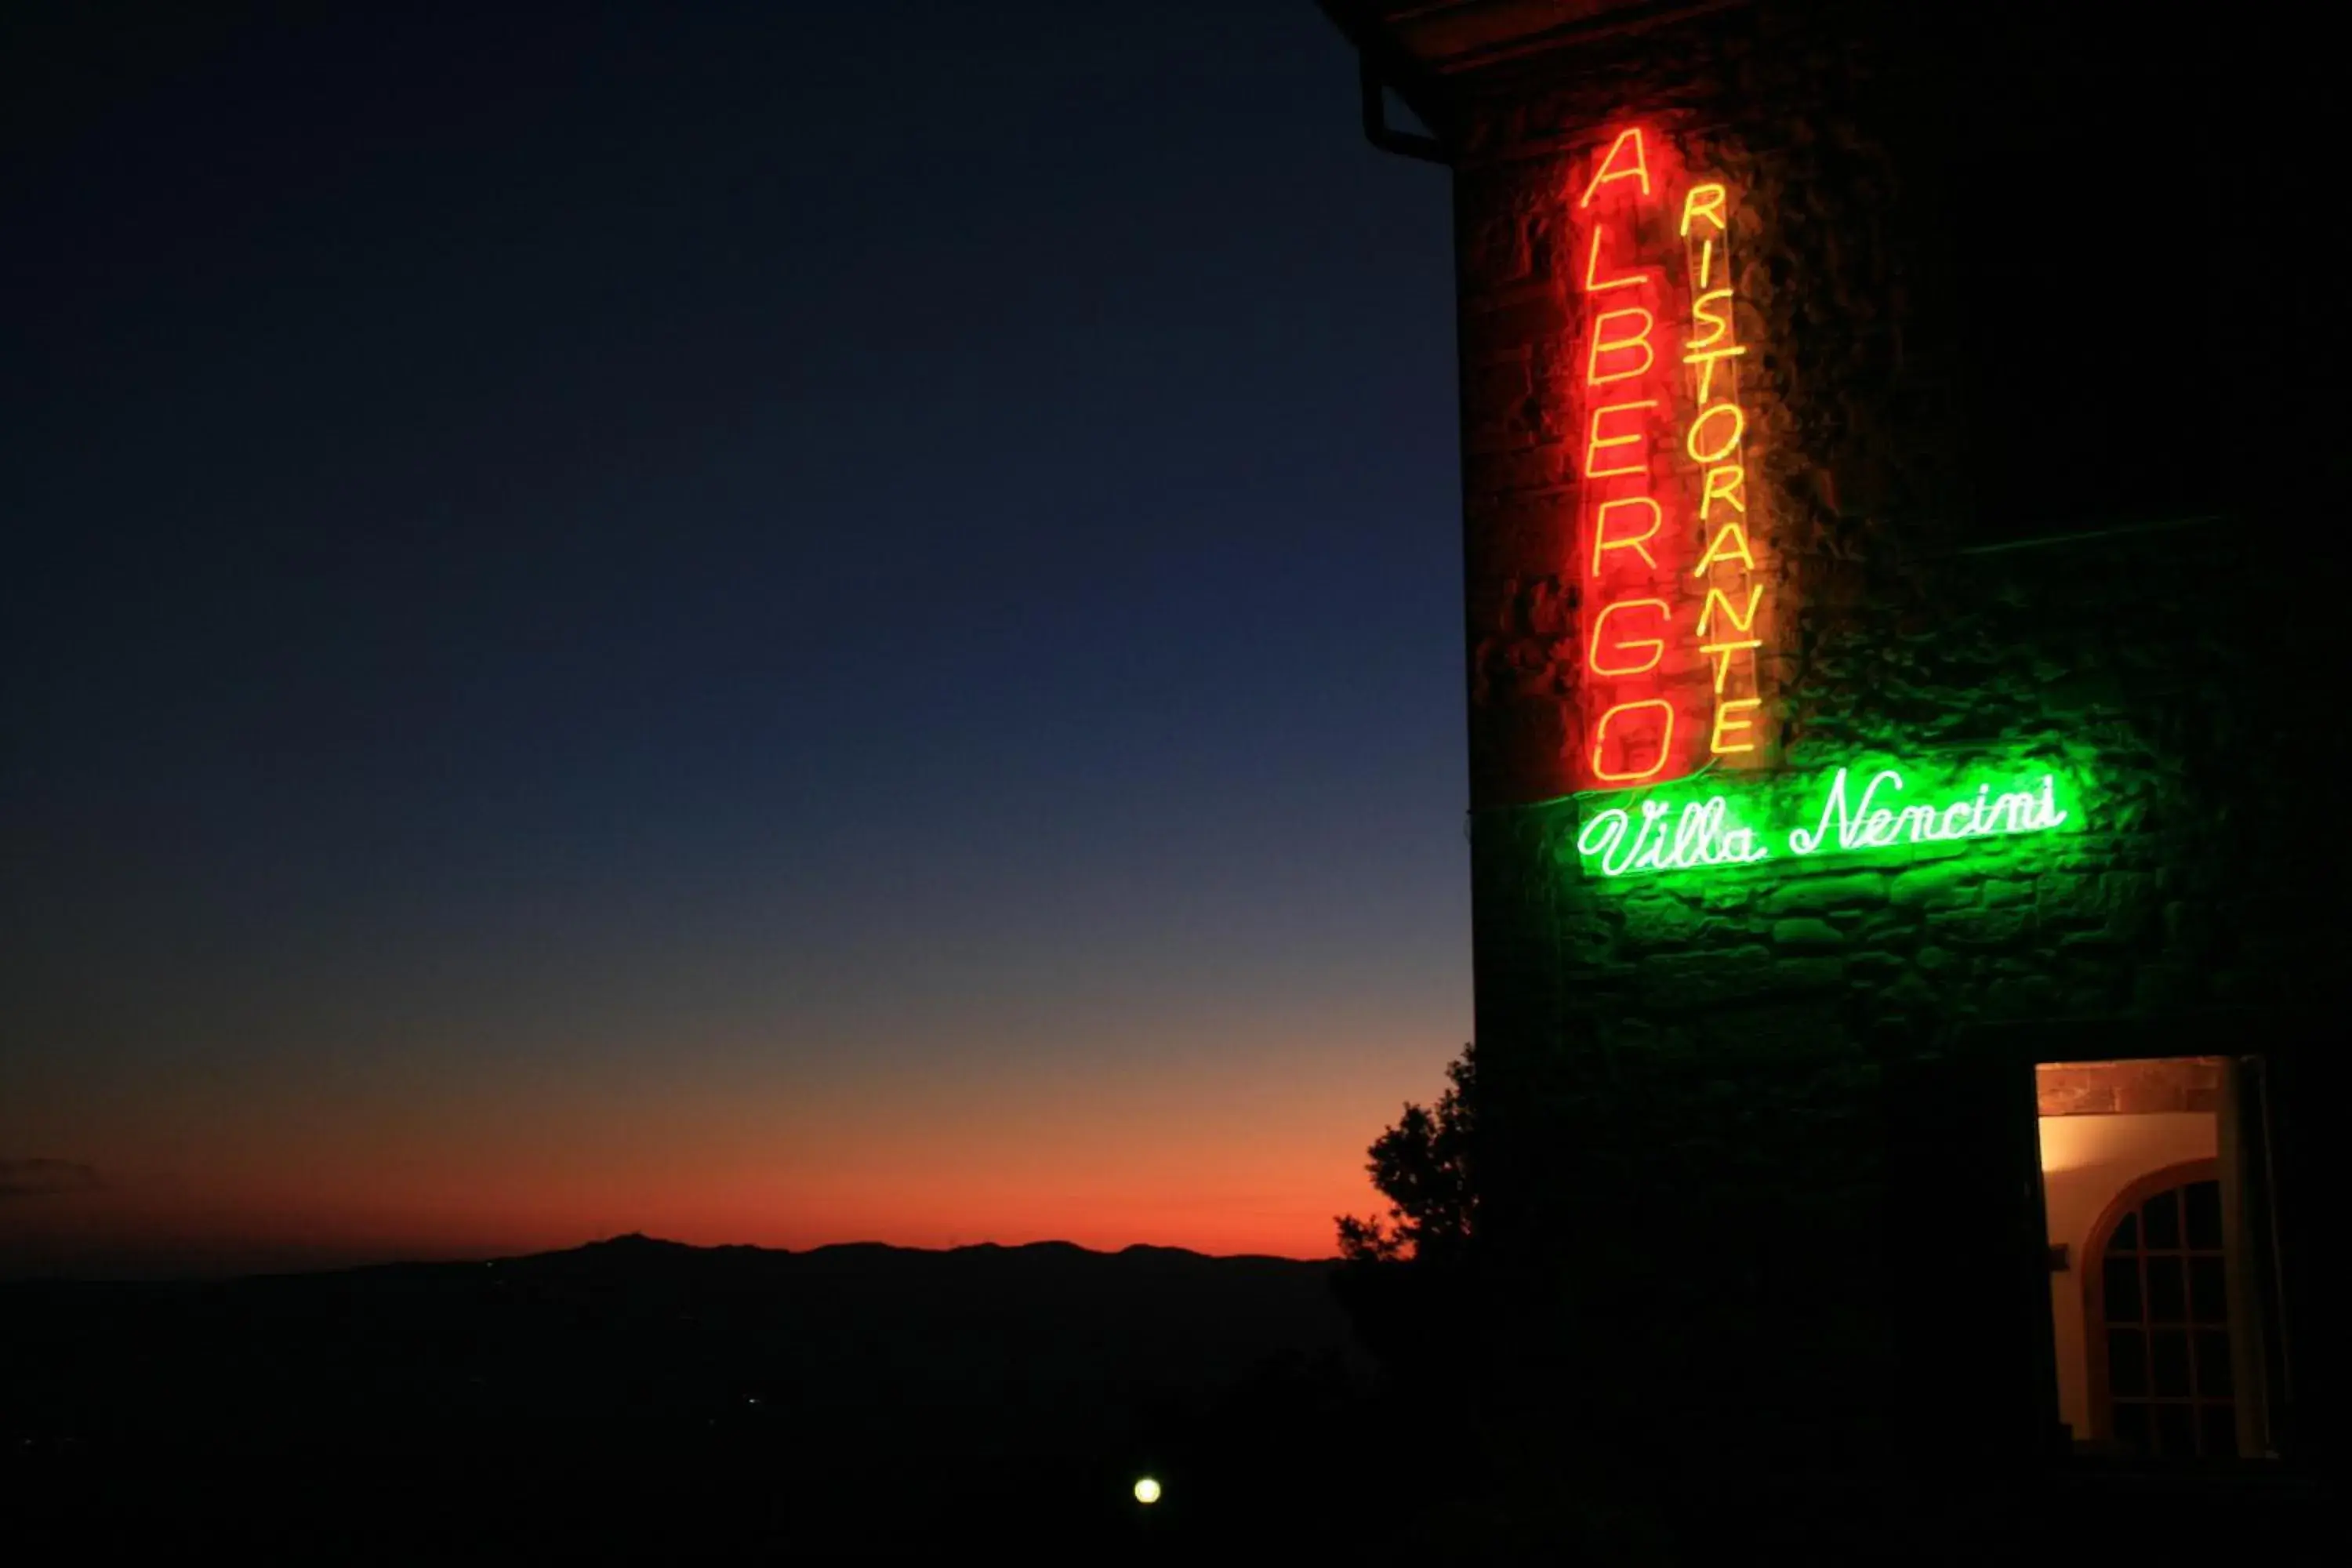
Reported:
(1423, 1166)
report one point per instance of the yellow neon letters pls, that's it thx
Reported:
(1720, 741)
(1728, 445)
(1719, 324)
(1637, 678)
(1595, 441)
(1721, 653)
(1656, 646)
(1738, 622)
(1703, 202)
(1592, 284)
(1737, 538)
(1637, 168)
(1722, 484)
(1602, 344)
(1636, 542)
(1600, 741)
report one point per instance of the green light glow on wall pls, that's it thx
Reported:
(1878, 811)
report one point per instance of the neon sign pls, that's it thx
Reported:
(1674, 608)
(1858, 811)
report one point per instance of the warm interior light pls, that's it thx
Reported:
(1147, 1492)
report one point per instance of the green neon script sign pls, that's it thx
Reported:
(1852, 814)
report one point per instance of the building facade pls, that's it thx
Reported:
(1896, 478)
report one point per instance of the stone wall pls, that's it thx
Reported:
(1700, 1143)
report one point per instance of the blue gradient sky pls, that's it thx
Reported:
(768, 623)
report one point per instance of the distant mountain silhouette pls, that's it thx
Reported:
(933, 1380)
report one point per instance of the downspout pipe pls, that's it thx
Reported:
(1373, 90)
(1381, 65)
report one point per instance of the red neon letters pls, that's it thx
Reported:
(1632, 730)
(1628, 339)
(1672, 594)
(1617, 164)
(1605, 534)
(1620, 640)
(1625, 432)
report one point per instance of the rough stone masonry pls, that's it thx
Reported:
(1718, 1112)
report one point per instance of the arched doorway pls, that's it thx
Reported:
(2156, 1290)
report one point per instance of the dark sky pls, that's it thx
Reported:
(773, 622)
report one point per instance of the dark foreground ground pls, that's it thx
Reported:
(637, 1400)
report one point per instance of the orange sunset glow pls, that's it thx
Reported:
(1218, 1158)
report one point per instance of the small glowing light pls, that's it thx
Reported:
(1147, 1492)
